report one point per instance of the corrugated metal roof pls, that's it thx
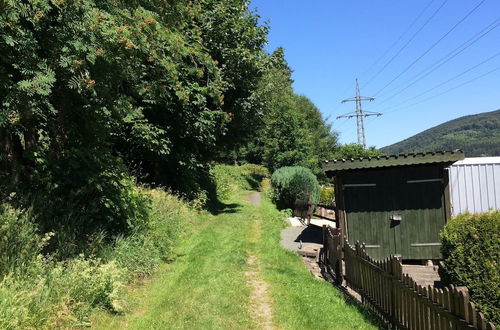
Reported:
(478, 160)
(447, 157)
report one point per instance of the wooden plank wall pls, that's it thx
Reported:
(395, 296)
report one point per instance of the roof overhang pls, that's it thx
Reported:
(445, 158)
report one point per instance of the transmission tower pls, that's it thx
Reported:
(359, 114)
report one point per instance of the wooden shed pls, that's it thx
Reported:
(394, 204)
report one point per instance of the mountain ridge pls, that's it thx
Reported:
(477, 135)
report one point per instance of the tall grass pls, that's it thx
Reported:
(230, 179)
(40, 290)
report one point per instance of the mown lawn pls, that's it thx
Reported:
(206, 288)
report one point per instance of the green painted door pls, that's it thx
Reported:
(422, 219)
(368, 213)
(413, 196)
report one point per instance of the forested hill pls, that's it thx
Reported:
(477, 135)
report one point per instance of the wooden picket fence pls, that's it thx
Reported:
(395, 296)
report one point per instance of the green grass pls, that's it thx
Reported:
(205, 287)
(300, 300)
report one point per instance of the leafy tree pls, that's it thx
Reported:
(292, 131)
(234, 39)
(354, 150)
(87, 84)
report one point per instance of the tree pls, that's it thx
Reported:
(88, 86)
(292, 131)
(354, 150)
(234, 39)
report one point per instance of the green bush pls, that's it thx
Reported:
(471, 254)
(326, 195)
(292, 181)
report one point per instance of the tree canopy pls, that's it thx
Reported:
(97, 94)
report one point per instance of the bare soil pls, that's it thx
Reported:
(254, 198)
(260, 303)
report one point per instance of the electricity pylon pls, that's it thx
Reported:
(359, 114)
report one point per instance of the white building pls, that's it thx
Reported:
(475, 185)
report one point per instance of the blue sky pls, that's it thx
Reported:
(329, 43)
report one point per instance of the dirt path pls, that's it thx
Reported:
(254, 198)
(231, 273)
(261, 309)
(260, 303)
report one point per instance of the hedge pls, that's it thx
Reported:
(290, 182)
(471, 257)
(326, 195)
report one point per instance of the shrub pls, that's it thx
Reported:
(471, 254)
(326, 195)
(227, 178)
(291, 181)
(265, 186)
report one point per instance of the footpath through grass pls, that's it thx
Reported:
(208, 287)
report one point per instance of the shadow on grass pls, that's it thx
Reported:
(222, 208)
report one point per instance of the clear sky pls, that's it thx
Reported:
(329, 43)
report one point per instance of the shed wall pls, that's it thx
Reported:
(475, 185)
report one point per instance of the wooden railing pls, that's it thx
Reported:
(324, 211)
(395, 296)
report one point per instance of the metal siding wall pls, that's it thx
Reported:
(474, 187)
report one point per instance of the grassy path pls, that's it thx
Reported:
(231, 273)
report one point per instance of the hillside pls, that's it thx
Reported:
(477, 135)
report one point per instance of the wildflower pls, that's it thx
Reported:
(129, 45)
(150, 21)
(90, 83)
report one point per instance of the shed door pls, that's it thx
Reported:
(422, 219)
(370, 207)
(368, 212)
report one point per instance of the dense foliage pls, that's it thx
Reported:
(327, 196)
(354, 150)
(98, 97)
(229, 178)
(292, 131)
(471, 251)
(294, 182)
(40, 292)
(477, 135)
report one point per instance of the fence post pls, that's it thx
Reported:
(322, 251)
(338, 256)
(395, 271)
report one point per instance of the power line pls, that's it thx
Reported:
(450, 79)
(431, 47)
(407, 43)
(448, 90)
(436, 65)
(396, 42)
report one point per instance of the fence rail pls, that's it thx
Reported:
(395, 296)
(324, 211)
